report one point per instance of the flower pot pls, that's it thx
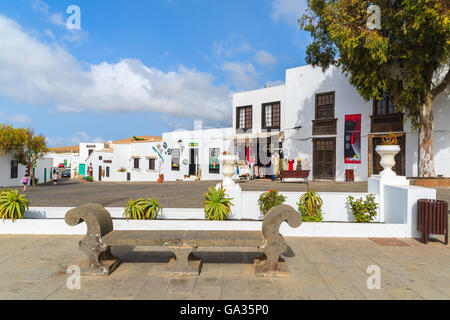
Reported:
(387, 153)
(227, 162)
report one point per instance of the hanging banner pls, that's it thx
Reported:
(352, 143)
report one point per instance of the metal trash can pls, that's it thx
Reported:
(432, 218)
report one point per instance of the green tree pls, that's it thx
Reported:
(409, 56)
(25, 146)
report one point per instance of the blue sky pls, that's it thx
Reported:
(139, 67)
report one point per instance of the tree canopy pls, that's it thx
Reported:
(23, 144)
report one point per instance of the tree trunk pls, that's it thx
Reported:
(426, 158)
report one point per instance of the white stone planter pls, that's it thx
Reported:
(387, 154)
(227, 162)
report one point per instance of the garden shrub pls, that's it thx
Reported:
(364, 211)
(270, 199)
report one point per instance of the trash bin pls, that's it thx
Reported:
(432, 218)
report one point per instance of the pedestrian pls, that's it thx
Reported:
(55, 177)
(25, 180)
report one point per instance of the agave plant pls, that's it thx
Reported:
(12, 205)
(142, 209)
(217, 205)
(310, 207)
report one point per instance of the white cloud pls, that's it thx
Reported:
(40, 6)
(288, 11)
(57, 19)
(234, 44)
(76, 139)
(242, 74)
(20, 119)
(39, 73)
(264, 58)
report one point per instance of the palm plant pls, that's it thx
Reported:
(142, 209)
(217, 205)
(310, 207)
(12, 205)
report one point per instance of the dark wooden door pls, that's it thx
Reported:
(324, 158)
(193, 165)
(100, 173)
(400, 159)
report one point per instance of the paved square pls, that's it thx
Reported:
(33, 267)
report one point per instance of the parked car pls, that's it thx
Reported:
(66, 173)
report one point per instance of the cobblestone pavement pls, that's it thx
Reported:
(33, 267)
(170, 194)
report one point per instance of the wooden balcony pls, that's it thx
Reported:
(387, 122)
(324, 127)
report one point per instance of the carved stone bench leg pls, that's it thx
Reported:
(186, 264)
(271, 264)
(98, 221)
(100, 262)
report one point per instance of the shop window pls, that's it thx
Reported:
(214, 164)
(176, 160)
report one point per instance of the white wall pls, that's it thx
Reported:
(256, 99)
(85, 147)
(5, 171)
(121, 156)
(206, 139)
(302, 85)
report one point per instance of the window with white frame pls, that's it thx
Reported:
(214, 164)
(176, 160)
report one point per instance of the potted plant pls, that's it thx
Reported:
(270, 199)
(142, 209)
(310, 207)
(217, 204)
(388, 150)
(12, 205)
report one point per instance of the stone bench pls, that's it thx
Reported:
(101, 237)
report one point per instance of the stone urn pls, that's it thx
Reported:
(387, 153)
(227, 162)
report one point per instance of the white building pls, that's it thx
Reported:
(74, 157)
(306, 118)
(11, 172)
(133, 159)
(188, 154)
